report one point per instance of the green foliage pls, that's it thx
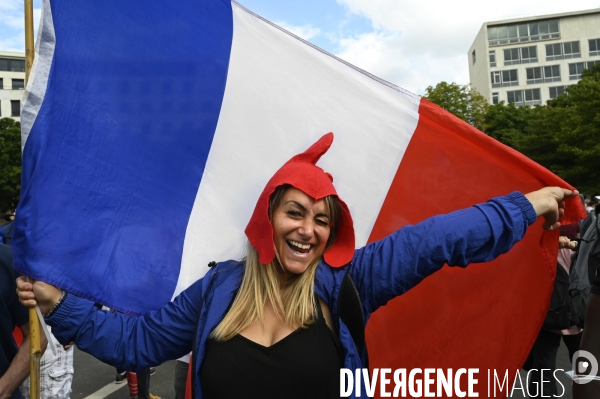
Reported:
(461, 100)
(577, 119)
(563, 135)
(10, 163)
(505, 123)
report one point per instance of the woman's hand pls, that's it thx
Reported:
(38, 292)
(549, 203)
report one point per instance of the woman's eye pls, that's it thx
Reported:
(294, 213)
(322, 222)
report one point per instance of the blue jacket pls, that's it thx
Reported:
(381, 271)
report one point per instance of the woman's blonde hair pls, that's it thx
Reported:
(294, 303)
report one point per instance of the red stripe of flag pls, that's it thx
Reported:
(485, 316)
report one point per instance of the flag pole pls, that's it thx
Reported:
(29, 47)
(34, 322)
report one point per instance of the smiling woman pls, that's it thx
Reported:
(288, 239)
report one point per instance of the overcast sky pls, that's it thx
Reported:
(412, 43)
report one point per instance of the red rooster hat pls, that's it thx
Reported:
(302, 173)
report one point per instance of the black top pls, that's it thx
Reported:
(12, 313)
(305, 364)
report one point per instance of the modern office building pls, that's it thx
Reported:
(528, 61)
(12, 84)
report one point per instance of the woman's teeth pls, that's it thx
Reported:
(296, 244)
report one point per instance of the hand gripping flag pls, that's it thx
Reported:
(150, 129)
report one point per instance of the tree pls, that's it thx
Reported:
(577, 117)
(461, 100)
(563, 135)
(10, 163)
(506, 123)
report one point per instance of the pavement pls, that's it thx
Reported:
(95, 380)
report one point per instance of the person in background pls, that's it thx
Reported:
(8, 227)
(558, 324)
(592, 203)
(590, 341)
(588, 207)
(14, 361)
(56, 373)
(139, 384)
(181, 371)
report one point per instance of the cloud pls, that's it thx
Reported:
(12, 26)
(415, 43)
(306, 32)
(12, 44)
(12, 21)
(11, 5)
(37, 15)
(388, 56)
(11, 14)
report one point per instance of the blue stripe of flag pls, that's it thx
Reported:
(113, 162)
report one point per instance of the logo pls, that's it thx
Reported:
(585, 367)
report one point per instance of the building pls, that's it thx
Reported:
(12, 84)
(528, 61)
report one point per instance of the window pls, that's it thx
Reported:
(492, 58)
(15, 107)
(534, 75)
(548, 29)
(524, 32)
(543, 74)
(474, 57)
(7, 64)
(497, 35)
(509, 78)
(1, 84)
(524, 97)
(529, 54)
(559, 51)
(495, 98)
(553, 52)
(594, 47)
(522, 55)
(552, 73)
(496, 79)
(576, 70)
(504, 78)
(532, 97)
(17, 65)
(18, 84)
(515, 97)
(556, 91)
(571, 50)
(511, 56)
(590, 64)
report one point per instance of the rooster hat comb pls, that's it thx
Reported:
(302, 173)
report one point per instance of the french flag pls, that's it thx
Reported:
(150, 129)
